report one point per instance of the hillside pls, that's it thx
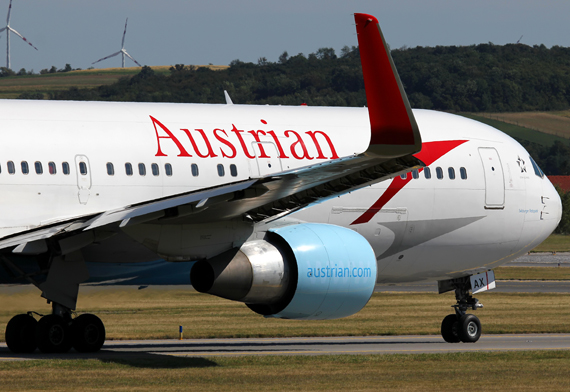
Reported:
(14, 86)
(528, 126)
(553, 123)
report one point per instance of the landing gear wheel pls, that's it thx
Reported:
(20, 334)
(450, 329)
(469, 328)
(88, 333)
(53, 334)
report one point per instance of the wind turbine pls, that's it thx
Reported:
(123, 52)
(8, 30)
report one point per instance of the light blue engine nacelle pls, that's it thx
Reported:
(304, 271)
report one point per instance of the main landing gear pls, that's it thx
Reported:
(462, 327)
(55, 333)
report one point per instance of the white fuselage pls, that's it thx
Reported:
(435, 229)
(429, 229)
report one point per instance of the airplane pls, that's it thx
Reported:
(298, 212)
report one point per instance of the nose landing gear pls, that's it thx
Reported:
(461, 326)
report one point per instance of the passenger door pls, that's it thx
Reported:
(494, 178)
(83, 171)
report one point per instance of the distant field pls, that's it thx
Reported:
(532, 273)
(554, 243)
(12, 87)
(156, 313)
(551, 123)
(541, 133)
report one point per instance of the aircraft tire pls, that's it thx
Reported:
(449, 329)
(53, 334)
(20, 334)
(469, 328)
(88, 333)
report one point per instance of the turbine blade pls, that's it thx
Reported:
(124, 33)
(129, 56)
(2, 29)
(21, 36)
(9, 11)
(108, 57)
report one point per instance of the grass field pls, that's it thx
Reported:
(553, 123)
(554, 243)
(513, 371)
(532, 273)
(536, 136)
(156, 313)
(12, 87)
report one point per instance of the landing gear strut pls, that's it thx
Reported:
(461, 326)
(55, 333)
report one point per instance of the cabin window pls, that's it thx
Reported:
(142, 169)
(439, 173)
(83, 168)
(11, 167)
(128, 169)
(463, 173)
(25, 167)
(38, 167)
(65, 168)
(195, 171)
(154, 168)
(52, 168)
(427, 173)
(451, 172)
(168, 169)
(415, 174)
(110, 169)
(233, 170)
(221, 170)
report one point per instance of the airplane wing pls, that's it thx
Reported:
(394, 138)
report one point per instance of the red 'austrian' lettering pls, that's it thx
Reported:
(208, 145)
(226, 142)
(300, 143)
(159, 153)
(226, 147)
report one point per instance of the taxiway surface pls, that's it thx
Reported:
(310, 346)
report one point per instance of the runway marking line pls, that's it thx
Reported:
(351, 352)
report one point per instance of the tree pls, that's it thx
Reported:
(283, 58)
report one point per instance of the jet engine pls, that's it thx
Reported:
(304, 271)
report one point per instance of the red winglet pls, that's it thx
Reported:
(391, 118)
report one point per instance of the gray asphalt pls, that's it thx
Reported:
(503, 286)
(309, 346)
(561, 259)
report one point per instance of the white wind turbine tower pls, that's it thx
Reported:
(8, 30)
(123, 52)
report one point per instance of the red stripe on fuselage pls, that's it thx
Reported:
(431, 152)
